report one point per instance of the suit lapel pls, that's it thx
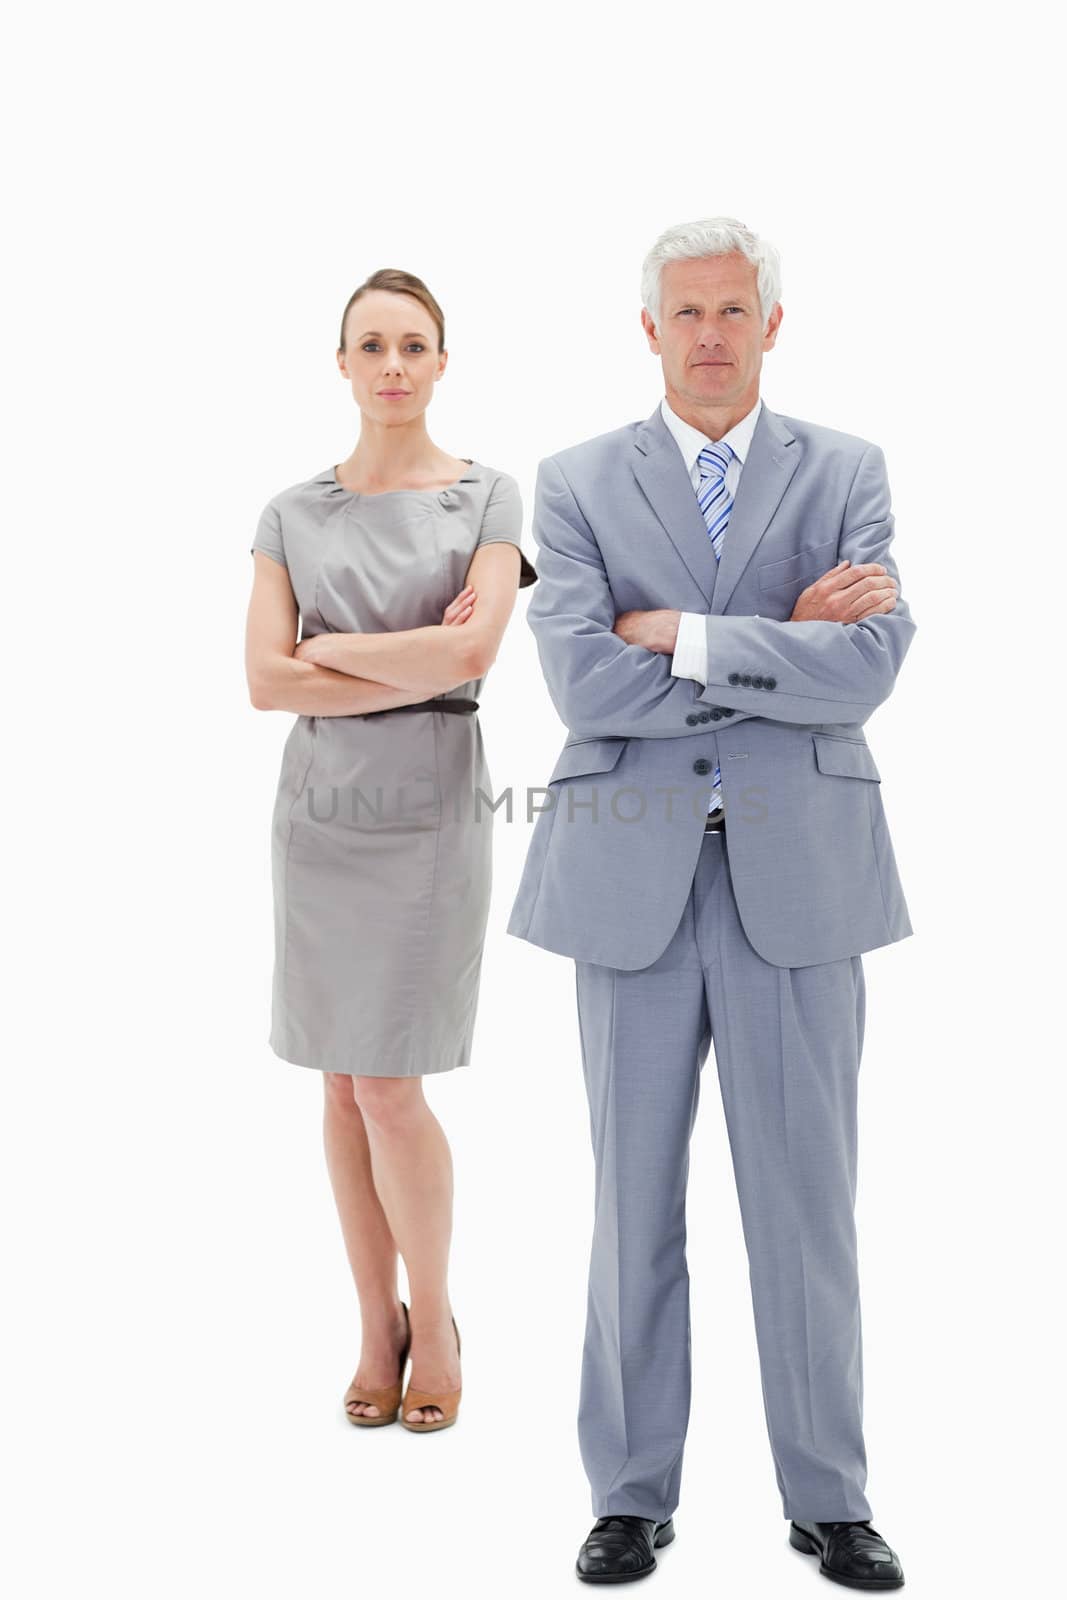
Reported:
(660, 470)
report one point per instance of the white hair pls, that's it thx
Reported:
(712, 236)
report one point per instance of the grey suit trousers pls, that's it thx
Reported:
(787, 1048)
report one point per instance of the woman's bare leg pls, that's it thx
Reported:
(369, 1243)
(412, 1173)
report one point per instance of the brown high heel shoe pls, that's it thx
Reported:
(387, 1400)
(447, 1403)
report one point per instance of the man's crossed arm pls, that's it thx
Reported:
(835, 660)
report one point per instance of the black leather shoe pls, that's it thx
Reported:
(619, 1549)
(851, 1552)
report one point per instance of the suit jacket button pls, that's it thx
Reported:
(735, 677)
(716, 716)
(769, 683)
(757, 683)
(727, 711)
(702, 766)
(705, 716)
(693, 718)
(745, 680)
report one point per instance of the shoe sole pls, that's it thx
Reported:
(664, 1536)
(801, 1542)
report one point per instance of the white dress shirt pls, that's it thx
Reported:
(690, 659)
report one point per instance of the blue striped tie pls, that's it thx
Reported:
(716, 502)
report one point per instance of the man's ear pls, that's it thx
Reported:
(774, 322)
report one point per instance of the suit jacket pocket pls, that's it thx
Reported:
(806, 565)
(844, 758)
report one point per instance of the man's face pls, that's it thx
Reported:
(710, 335)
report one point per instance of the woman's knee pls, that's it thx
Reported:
(389, 1104)
(339, 1087)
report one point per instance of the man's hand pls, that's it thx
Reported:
(653, 630)
(846, 594)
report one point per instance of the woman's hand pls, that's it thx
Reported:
(459, 610)
(310, 649)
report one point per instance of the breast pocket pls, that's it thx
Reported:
(796, 572)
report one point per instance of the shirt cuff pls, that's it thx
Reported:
(690, 659)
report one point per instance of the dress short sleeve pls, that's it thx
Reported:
(502, 523)
(269, 534)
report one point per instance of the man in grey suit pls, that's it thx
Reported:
(718, 598)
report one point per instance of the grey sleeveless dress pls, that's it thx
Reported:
(381, 862)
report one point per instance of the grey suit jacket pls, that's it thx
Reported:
(613, 854)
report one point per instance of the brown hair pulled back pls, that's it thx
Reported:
(398, 282)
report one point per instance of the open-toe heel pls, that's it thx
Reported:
(447, 1403)
(387, 1400)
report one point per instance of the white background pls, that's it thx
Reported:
(196, 194)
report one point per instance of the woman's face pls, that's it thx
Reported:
(390, 355)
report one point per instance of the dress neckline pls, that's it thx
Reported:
(330, 476)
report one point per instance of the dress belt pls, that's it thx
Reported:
(463, 707)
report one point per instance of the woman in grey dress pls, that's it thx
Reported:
(400, 567)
